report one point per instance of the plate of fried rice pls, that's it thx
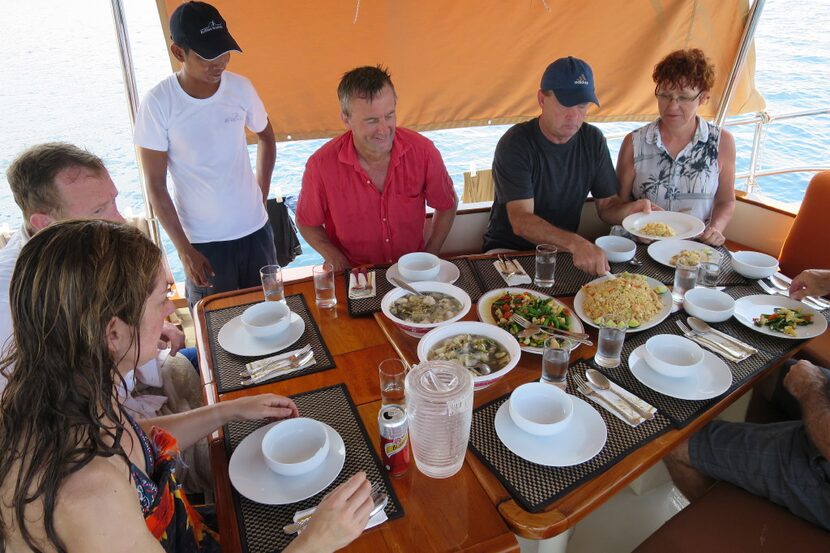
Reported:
(635, 302)
(663, 225)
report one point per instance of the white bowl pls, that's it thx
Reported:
(672, 355)
(754, 264)
(617, 248)
(541, 409)
(268, 319)
(712, 306)
(419, 329)
(295, 446)
(419, 266)
(482, 329)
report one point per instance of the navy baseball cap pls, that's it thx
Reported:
(200, 27)
(571, 80)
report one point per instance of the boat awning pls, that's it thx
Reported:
(458, 63)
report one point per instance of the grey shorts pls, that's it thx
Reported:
(775, 460)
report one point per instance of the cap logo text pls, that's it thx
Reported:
(581, 80)
(212, 26)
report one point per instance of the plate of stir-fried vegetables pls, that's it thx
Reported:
(497, 306)
(779, 316)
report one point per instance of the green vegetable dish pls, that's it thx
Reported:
(784, 320)
(539, 311)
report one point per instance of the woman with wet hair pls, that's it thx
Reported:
(77, 473)
(681, 162)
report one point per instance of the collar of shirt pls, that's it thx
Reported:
(701, 133)
(348, 152)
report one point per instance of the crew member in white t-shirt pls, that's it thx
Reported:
(193, 124)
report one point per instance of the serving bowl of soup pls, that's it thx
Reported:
(441, 304)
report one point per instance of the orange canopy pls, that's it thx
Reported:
(458, 63)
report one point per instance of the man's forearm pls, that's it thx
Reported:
(815, 412)
(441, 225)
(319, 241)
(266, 157)
(169, 219)
(538, 231)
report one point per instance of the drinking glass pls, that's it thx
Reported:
(708, 271)
(545, 265)
(324, 285)
(685, 278)
(555, 359)
(610, 343)
(272, 286)
(392, 373)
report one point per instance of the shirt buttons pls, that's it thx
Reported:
(387, 240)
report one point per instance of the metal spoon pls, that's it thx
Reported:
(702, 327)
(480, 369)
(635, 262)
(600, 381)
(406, 286)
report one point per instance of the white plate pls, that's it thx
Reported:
(235, 339)
(664, 250)
(711, 380)
(448, 273)
(579, 301)
(253, 479)
(578, 442)
(485, 316)
(684, 225)
(749, 307)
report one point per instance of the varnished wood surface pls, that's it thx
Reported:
(453, 514)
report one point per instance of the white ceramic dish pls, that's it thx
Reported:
(235, 339)
(749, 307)
(485, 314)
(754, 264)
(712, 306)
(665, 298)
(417, 266)
(711, 380)
(618, 249)
(266, 320)
(416, 330)
(540, 409)
(663, 250)
(684, 225)
(253, 479)
(482, 329)
(671, 355)
(447, 273)
(580, 441)
(295, 446)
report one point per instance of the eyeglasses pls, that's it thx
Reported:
(682, 100)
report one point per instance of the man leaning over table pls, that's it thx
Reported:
(364, 193)
(543, 170)
(786, 462)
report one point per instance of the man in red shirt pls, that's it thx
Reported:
(364, 192)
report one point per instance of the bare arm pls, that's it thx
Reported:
(154, 164)
(266, 156)
(625, 168)
(319, 240)
(807, 384)
(533, 228)
(724, 205)
(191, 426)
(613, 209)
(441, 226)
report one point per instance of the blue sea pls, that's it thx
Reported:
(60, 79)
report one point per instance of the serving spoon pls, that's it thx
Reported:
(405, 285)
(601, 381)
(481, 368)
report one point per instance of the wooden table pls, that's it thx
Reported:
(453, 514)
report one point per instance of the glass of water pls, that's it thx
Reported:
(545, 265)
(708, 271)
(555, 359)
(324, 285)
(685, 278)
(272, 286)
(610, 343)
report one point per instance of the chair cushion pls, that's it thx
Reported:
(731, 520)
(809, 229)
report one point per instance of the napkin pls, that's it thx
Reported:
(613, 399)
(379, 517)
(368, 292)
(253, 365)
(515, 280)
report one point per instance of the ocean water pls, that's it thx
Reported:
(61, 80)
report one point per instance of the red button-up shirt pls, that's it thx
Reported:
(366, 225)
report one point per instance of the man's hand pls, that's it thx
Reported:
(171, 337)
(590, 258)
(812, 282)
(642, 205)
(338, 260)
(712, 236)
(197, 267)
(804, 379)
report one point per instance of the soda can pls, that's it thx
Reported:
(394, 439)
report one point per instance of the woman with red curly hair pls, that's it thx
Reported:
(681, 162)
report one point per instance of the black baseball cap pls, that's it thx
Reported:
(200, 27)
(571, 80)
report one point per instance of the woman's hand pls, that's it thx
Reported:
(263, 406)
(712, 236)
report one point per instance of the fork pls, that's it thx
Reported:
(506, 272)
(583, 388)
(357, 286)
(776, 292)
(288, 361)
(379, 500)
(524, 323)
(717, 347)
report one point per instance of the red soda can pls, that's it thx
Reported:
(394, 439)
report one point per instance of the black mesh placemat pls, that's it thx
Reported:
(227, 366)
(260, 526)
(568, 280)
(658, 271)
(364, 307)
(535, 486)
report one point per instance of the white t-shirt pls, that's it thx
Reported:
(8, 258)
(214, 189)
